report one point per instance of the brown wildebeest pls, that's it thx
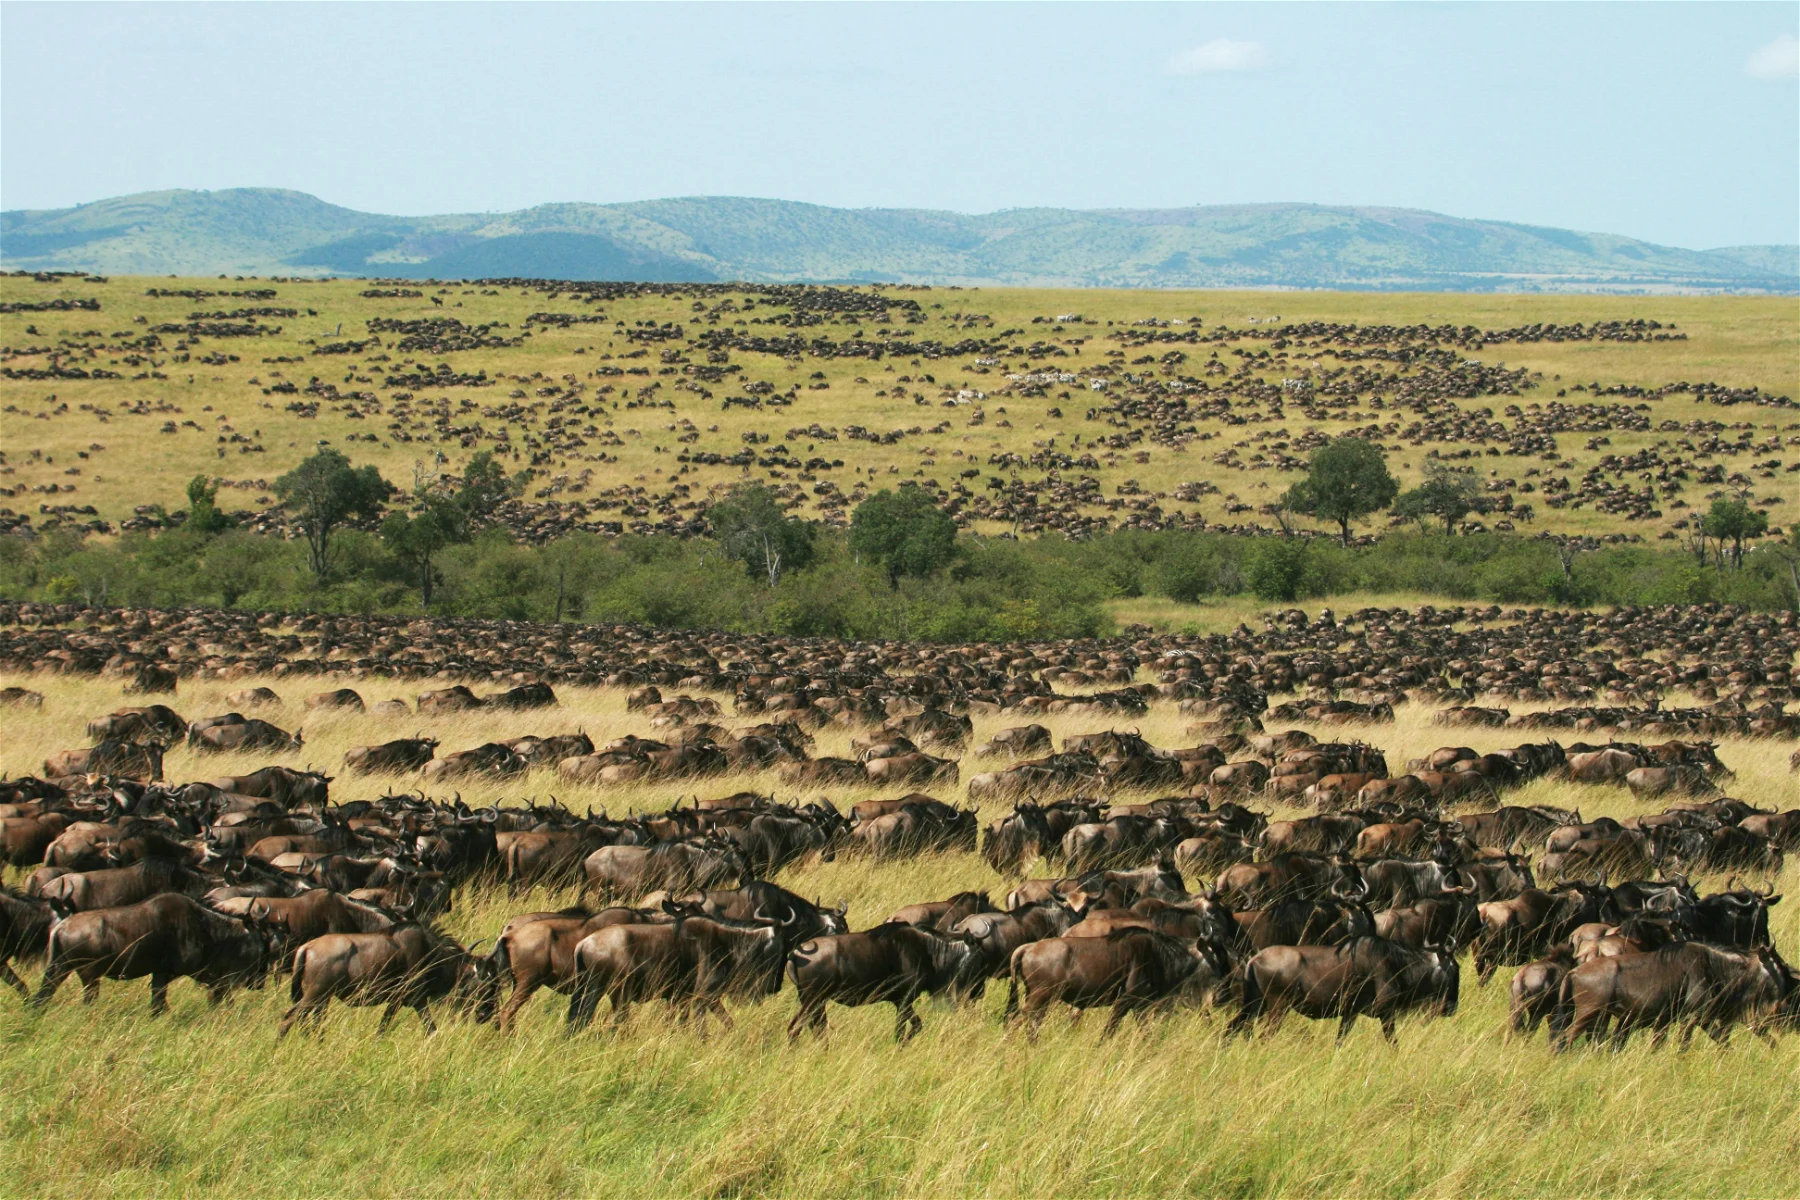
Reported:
(1369, 976)
(1601, 766)
(1130, 969)
(696, 964)
(24, 934)
(153, 723)
(315, 913)
(889, 964)
(23, 840)
(1646, 782)
(941, 915)
(629, 871)
(997, 935)
(1535, 988)
(252, 734)
(18, 697)
(130, 759)
(491, 758)
(1015, 742)
(406, 754)
(530, 695)
(116, 887)
(917, 769)
(538, 949)
(284, 785)
(1689, 984)
(256, 697)
(451, 699)
(165, 937)
(406, 967)
(345, 698)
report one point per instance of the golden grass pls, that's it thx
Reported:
(105, 1101)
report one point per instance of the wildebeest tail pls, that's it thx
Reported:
(500, 957)
(1563, 1011)
(1012, 982)
(297, 985)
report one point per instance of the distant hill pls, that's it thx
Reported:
(267, 231)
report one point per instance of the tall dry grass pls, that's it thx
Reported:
(105, 1101)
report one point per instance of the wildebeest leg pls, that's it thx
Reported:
(387, 1016)
(1345, 1021)
(424, 1012)
(54, 974)
(523, 990)
(809, 1015)
(906, 1021)
(1124, 1005)
(11, 978)
(1387, 1031)
(159, 994)
(582, 1003)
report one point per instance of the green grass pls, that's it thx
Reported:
(105, 1101)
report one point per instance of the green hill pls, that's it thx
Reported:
(271, 231)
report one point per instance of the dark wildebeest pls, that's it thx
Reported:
(406, 754)
(24, 933)
(999, 934)
(1286, 876)
(889, 964)
(336, 698)
(538, 949)
(315, 913)
(530, 695)
(166, 937)
(800, 918)
(1438, 921)
(1130, 969)
(1331, 922)
(450, 699)
(1687, 983)
(406, 967)
(23, 840)
(1517, 931)
(1369, 976)
(152, 723)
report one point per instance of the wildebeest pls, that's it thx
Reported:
(153, 723)
(285, 786)
(405, 754)
(344, 698)
(889, 964)
(1370, 976)
(625, 872)
(166, 937)
(693, 962)
(1688, 984)
(24, 933)
(252, 734)
(1535, 989)
(116, 887)
(406, 967)
(111, 757)
(1130, 969)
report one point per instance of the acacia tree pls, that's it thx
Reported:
(905, 531)
(436, 521)
(323, 493)
(203, 506)
(1448, 493)
(751, 527)
(1346, 480)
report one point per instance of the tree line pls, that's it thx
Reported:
(901, 570)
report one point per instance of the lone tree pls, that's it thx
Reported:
(324, 492)
(905, 531)
(436, 521)
(1734, 521)
(1346, 480)
(1448, 493)
(203, 506)
(750, 527)
(485, 486)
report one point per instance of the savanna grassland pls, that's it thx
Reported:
(106, 1101)
(628, 401)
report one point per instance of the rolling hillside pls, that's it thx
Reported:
(269, 231)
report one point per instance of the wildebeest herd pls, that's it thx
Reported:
(1260, 870)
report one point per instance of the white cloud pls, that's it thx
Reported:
(1220, 54)
(1780, 59)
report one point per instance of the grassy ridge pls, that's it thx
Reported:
(107, 1102)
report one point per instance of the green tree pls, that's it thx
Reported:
(323, 493)
(904, 531)
(1275, 568)
(203, 509)
(1734, 521)
(751, 528)
(1448, 493)
(1346, 480)
(436, 521)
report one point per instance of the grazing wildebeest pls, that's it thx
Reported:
(406, 967)
(130, 759)
(287, 787)
(346, 698)
(153, 723)
(1369, 976)
(165, 937)
(889, 964)
(1130, 969)
(252, 734)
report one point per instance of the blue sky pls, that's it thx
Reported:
(1678, 123)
